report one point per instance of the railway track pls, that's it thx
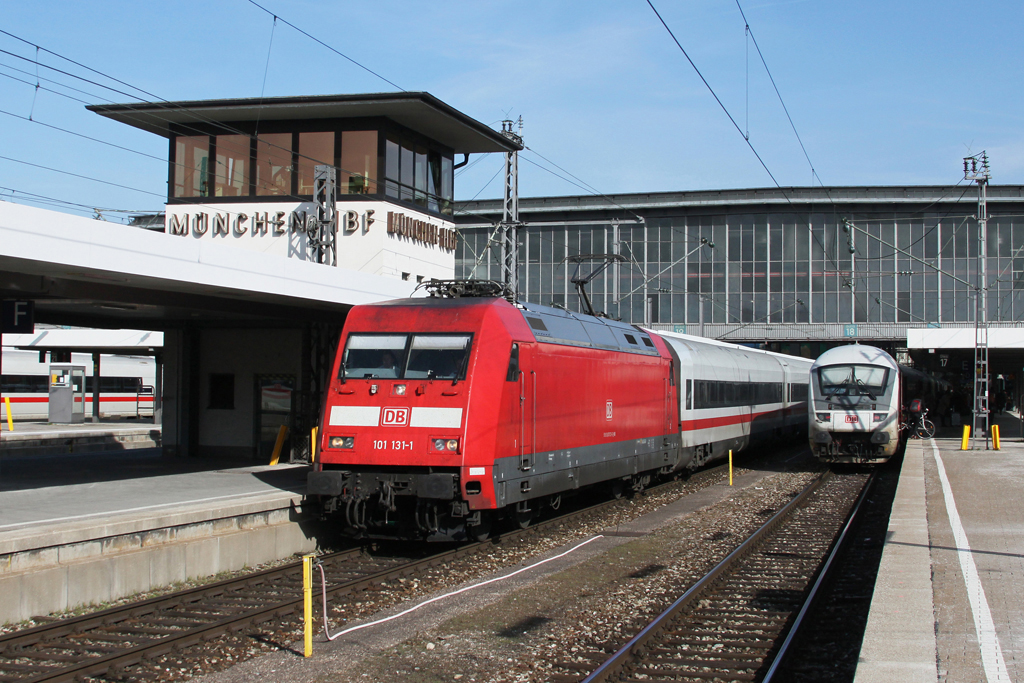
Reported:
(732, 625)
(109, 643)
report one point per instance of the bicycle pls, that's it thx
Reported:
(921, 427)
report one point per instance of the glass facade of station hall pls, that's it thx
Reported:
(710, 262)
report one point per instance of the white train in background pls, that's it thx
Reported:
(126, 384)
(858, 404)
(732, 397)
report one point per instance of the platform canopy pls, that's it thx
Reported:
(418, 111)
(90, 273)
(945, 338)
(88, 340)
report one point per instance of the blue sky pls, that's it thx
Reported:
(881, 93)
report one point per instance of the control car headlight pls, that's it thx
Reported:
(878, 417)
(823, 417)
(343, 442)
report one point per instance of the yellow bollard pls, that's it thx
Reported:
(307, 602)
(312, 446)
(281, 434)
(967, 437)
(730, 467)
(10, 422)
(995, 436)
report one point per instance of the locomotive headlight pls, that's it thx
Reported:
(453, 444)
(877, 417)
(343, 442)
(399, 390)
(438, 444)
(822, 417)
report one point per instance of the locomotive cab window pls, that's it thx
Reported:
(438, 356)
(374, 355)
(513, 365)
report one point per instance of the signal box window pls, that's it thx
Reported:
(315, 149)
(192, 166)
(231, 175)
(274, 164)
(358, 162)
(222, 391)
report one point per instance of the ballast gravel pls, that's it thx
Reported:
(548, 623)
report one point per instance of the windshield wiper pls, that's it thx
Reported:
(462, 368)
(865, 391)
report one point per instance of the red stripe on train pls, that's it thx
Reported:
(730, 420)
(88, 399)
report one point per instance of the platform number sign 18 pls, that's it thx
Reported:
(608, 410)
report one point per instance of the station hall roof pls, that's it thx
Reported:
(417, 111)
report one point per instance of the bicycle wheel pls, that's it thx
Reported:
(926, 429)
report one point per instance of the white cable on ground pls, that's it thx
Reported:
(323, 583)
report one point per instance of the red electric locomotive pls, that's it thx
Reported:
(445, 414)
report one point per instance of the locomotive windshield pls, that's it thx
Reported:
(852, 380)
(374, 355)
(403, 356)
(437, 356)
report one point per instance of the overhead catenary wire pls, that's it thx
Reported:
(750, 32)
(169, 106)
(329, 47)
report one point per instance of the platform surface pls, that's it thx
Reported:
(949, 600)
(75, 496)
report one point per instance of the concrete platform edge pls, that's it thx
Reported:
(899, 642)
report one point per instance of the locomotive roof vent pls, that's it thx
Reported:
(456, 289)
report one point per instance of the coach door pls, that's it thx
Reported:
(527, 406)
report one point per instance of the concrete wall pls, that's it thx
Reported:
(364, 243)
(68, 566)
(245, 354)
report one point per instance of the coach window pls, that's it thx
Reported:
(689, 394)
(231, 175)
(222, 391)
(191, 166)
(274, 165)
(315, 149)
(358, 162)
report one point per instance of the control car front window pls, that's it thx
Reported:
(374, 355)
(438, 356)
(852, 380)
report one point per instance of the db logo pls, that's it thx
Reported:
(608, 410)
(852, 418)
(396, 417)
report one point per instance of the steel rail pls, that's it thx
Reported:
(636, 645)
(823, 575)
(44, 636)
